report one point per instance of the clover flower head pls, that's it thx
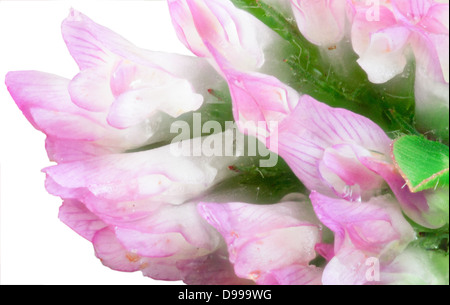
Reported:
(272, 156)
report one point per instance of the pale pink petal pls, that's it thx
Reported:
(411, 9)
(212, 269)
(184, 25)
(347, 268)
(183, 219)
(346, 175)
(129, 176)
(134, 215)
(72, 131)
(325, 250)
(202, 25)
(67, 193)
(371, 226)
(66, 125)
(313, 127)
(61, 151)
(431, 82)
(114, 255)
(90, 89)
(177, 231)
(385, 57)
(44, 100)
(156, 245)
(137, 105)
(229, 30)
(75, 215)
(380, 43)
(431, 53)
(81, 35)
(157, 173)
(322, 22)
(294, 275)
(363, 27)
(440, 43)
(163, 269)
(280, 235)
(414, 205)
(259, 98)
(142, 82)
(436, 20)
(97, 37)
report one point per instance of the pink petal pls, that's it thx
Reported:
(168, 231)
(213, 269)
(159, 174)
(100, 39)
(346, 268)
(385, 57)
(156, 245)
(81, 35)
(321, 22)
(114, 255)
(431, 81)
(60, 124)
(325, 250)
(202, 25)
(44, 100)
(172, 268)
(61, 151)
(294, 275)
(67, 193)
(371, 226)
(346, 175)
(259, 98)
(127, 77)
(363, 28)
(183, 23)
(411, 9)
(280, 235)
(414, 205)
(431, 55)
(90, 89)
(182, 219)
(75, 215)
(380, 43)
(127, 175)
(137, 105)
(437, 19)
(313, 127)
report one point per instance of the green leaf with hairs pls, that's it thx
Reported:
(424, 164)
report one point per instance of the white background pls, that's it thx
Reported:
(36, 248)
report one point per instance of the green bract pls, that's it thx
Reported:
(423, 164)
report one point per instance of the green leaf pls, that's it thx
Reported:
(424, 164)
